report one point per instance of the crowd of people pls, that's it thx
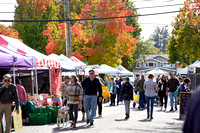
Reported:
(83, 95)
(121, 89)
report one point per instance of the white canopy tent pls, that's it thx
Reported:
(106, 69)
(183, 71)
(123, 72)
(194, 65)
(66, 66)
(157, 71)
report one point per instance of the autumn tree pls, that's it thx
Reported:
(128, 60)
(8, 31)
(97, 42)
(184, 45)
(31, 33)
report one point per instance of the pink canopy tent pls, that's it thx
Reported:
(40, 60)
(21, 48)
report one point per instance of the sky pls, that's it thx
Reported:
(147, 29)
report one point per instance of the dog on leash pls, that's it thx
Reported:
(62, 114)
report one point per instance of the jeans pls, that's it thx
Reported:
(112, 99)
(99, 106)
(73, 112)
(134, 104)
(90, 103)
(21, 102)
(150, 99)
(118, 98)
(127, 106)
(141, 99)
(172, 97)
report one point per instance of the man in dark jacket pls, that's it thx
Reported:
(92, 86)
(172, 86)
(140, 87)
(8, 94)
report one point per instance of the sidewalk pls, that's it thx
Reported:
(113, 122)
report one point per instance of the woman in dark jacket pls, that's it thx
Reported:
(162, 84)
(127, 95)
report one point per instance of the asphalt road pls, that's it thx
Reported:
(113, 122)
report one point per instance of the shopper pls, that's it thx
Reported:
(162, 92)
(21, 92)
(136, 90)
(127, 96)
(184, 87)
(99, 103)
(140, 88)
(172, 86)
(119, 87)
(192, 120)
(113, 92)
(91, 86)
(150, 93)
(8, 93)
(74, 93)
(63, 88)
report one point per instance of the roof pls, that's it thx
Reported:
(153, 56)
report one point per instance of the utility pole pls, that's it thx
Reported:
(69, 28)
(66, 33)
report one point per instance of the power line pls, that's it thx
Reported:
(99, 10)
(52, 20)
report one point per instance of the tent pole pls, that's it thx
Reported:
(14, 74)
(50, 81)
(36, 87)
(32, 79)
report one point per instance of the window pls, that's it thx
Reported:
(155, 64)
(171, 65)
(146, 64)
(151, 64)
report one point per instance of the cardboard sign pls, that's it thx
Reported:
(17, 119)
(184, 100)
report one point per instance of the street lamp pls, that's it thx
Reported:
(68, 27)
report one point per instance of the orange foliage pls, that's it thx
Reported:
(8, 31)
(97, 42)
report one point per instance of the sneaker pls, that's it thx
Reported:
(100, 115)
(171, 110)
(88, 121)
(176, 109)
(91, 123)
(83, 118)
(161, 108)
(151, 117)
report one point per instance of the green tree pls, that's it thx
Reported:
(31, 33)
(144, 48)
(160, 38)
(184, 45)
(127, 60)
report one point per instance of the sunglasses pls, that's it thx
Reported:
(7, 80)
(91, 73)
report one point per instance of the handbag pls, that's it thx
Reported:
(136, 98)
(177, 92)
(126, 96)
(76, 98)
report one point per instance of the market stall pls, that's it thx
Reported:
(40, 60)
